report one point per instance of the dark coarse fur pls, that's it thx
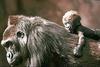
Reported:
(46, 45)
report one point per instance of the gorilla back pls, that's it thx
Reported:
(36, 42)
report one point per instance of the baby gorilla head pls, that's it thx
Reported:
(71, 20)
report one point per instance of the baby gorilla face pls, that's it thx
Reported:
(68, 26)
(71, 20)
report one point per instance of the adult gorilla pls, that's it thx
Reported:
(37, 42)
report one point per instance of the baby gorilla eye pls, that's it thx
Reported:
(20, 34)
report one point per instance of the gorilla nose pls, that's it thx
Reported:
(6, 43)
(9, 55)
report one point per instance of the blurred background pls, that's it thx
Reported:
(52, 10)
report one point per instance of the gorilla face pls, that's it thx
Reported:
(14, 42)
(11, 45)
(68, 26)
(71, 22)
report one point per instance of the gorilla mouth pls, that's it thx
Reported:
(13, 59)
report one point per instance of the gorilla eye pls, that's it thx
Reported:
(20, 34)
(8, 44)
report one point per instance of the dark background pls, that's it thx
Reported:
(50, 9)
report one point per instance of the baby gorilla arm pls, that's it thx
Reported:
(78, 48)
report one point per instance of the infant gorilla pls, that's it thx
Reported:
(71, 21)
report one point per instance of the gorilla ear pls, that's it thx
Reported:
(20, 34)
(12, 20)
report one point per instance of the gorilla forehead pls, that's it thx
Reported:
(9, 32)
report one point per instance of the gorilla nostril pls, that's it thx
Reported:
(9, 55)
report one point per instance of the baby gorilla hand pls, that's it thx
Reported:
(77, 51)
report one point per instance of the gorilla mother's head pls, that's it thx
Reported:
(34, 41)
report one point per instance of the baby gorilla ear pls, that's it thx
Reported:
(20, 34)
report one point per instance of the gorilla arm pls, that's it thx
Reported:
(79, 45)
(89, 33)
(81, 37)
